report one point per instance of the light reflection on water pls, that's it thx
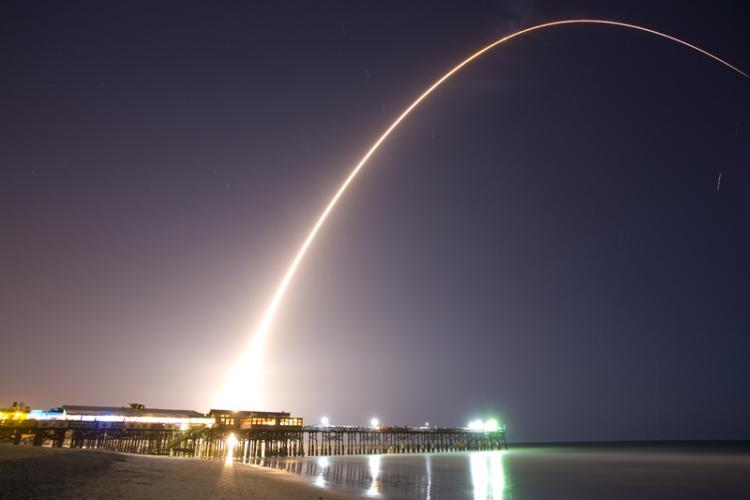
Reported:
(428, 473)
(591, 472)
(488, 475)
(323, 463)
(231, 447)
(374, 464)
(475, 475)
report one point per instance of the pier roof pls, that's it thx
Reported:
(249, 413)
(128, 411)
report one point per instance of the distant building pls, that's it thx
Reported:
(16, 412)
(133, 415)
(138, 416)
(254, 419)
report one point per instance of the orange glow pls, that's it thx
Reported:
(13, 416)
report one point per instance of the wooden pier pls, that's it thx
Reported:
(369, 441)
(223, 434)
(245, 445)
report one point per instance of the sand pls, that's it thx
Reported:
(33, 472)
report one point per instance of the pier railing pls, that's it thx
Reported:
(249, 444)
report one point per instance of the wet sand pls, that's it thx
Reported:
(31, 472)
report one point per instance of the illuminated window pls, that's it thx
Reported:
(264, 421)
(226, 420)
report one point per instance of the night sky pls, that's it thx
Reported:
(546, 240)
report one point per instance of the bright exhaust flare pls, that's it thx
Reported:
(243, 383)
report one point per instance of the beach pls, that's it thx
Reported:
(32, 472)
(562, 471)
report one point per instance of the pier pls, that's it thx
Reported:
(222, 434)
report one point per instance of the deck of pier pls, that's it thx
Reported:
(247, 444)
(235, 435)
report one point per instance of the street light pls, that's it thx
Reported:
(478, 425)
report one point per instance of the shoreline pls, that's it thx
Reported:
(34, 472)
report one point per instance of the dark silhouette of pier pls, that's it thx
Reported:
(223, 434)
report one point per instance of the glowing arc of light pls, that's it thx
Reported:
(253, 355)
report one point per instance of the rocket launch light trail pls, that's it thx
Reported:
(244, 377)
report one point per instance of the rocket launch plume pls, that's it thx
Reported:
(242, 388)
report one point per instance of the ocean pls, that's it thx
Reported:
(601, 471)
